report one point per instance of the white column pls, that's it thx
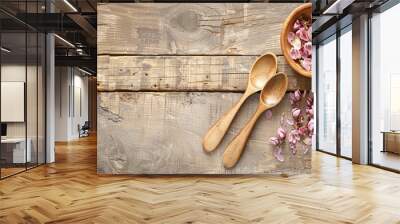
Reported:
(50, 100)
(360, 90)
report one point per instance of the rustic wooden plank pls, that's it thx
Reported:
(229, 28)
(183, 73)
(161, 133)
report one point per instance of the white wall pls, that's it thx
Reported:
(33, 127)
(70, 84)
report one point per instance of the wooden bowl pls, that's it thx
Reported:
(304, 9)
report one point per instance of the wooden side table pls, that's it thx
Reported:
(391, 141)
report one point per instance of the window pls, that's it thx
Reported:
(326, 94)
(385, 89)
(346, 95)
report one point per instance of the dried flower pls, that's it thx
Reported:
(310, 126)
(296, 25)
(294, 136)
(300, 40)
(268, 114)
(310, 112)
(290, 122)
(278, 154)
(296, 112)
(297, 95)
(281, 134)
(295, 54)
(294, 40)
(274, 141)
(296, 129)
(306, 63)
(302, 33)
(310, 100)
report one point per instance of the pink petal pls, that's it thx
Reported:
(310, 112)
(295, 54)
(268, 114)
(297, 25)
(293, 148)
(310, 100)
(278, 154)
(303, 53)
(290, 122)
(291, 37)
(306, 64)
(294, 40)
(274, 141)
(296, 112)
(310, 125)
(302, 33)
(307, 141)
(307, 48)
(281, 133)
(297, 95)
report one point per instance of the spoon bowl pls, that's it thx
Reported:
(274, 90)
(261, 71)
(272, 93)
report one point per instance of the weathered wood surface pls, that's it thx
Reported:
(184, 73)
(166, 72)
(191, 29)
(161, 133)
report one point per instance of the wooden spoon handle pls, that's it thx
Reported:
(235, 148)
(217, 132)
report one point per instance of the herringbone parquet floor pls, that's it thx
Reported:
(70, 191)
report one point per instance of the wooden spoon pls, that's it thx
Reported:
(262, 70)
(272, 93)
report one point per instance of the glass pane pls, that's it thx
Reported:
(385, 84)
(13, 88)
(31, 100)
(327, 96)
(346, 93)
(41, 98)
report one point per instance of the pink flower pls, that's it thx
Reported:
(303, 130)
(295, 54)
(310, 100)
(310, 126)
(290, 122)
(268, 114)
(274, 141)
(302, 33)
(294, 136)
(297, 25)
(291, 37)
(294, 40)
(310, 112)
(281, 133)
(297, 95)
(306, 64)
(278, 154)
(309, 32)
(307, 49)
(296, 112)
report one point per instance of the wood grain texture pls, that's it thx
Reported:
(183, 73)
(189, 29)
(161, 133)
(166, 72)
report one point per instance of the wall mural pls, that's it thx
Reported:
(215, 88)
